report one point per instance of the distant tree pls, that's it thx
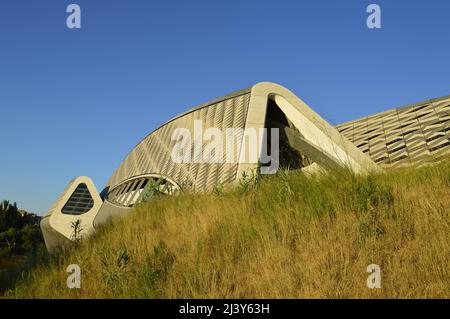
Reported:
(10, 216)
(18, 232)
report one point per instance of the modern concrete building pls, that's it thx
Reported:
(266, 126)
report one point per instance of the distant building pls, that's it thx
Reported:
(409, 135)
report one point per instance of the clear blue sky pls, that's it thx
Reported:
(75, 102)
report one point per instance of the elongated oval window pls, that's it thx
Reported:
(80, 201)
(141, 189)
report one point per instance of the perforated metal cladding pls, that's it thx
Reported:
(153, 154)
(408, 135)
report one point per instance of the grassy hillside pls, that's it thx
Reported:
(283, 236)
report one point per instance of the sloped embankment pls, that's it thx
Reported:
(284, 236)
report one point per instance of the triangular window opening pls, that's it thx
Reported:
(80, 201)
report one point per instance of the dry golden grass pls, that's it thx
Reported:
(284, 237)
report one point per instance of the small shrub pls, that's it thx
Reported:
(156, 270)
(77, 228)
(285, 189)
(114, 270)
(218, 190)
(368, 193)
(152, 190)
(248, 180)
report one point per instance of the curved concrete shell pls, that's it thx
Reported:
(303, 138)
(244, 109)
(265, 105)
